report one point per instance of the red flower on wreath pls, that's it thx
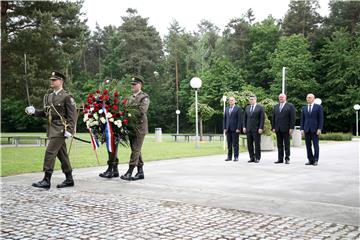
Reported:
(118, 114)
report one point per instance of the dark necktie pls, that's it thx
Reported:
(310, 109)
(251, 109)
(281, 106)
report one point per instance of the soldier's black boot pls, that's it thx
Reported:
(115, 170)
(139, 175)
(69, 181)
(45, 183)
(127, 175)
(109, 171)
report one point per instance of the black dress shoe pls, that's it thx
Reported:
(138, 176)
(236, 159)
(251, 160)
(257, 160)
(228, 159)
(66, 183)
(287, 161)
(42, 184)
(315, 163)
(279, 161)
(309, 163)
(126, 177)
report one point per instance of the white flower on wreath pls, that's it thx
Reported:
(118, 123)
(111, 119)
(129, 114)
(101, 111)
(103, 120)
(96, 116)
(108, 115)
(86, 117)
(94, 123)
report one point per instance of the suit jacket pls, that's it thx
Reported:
(311, 122)
(141, 101)
(255, 120)
(233, 121)
(284, 120)
(57, 107)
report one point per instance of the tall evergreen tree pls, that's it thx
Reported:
(340, 62)
(302, 17)
(51, 34)
(294, 54)
(343, 14)
(264, 37)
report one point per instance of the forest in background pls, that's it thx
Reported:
(321, 56)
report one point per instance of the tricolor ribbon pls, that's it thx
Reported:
(94, 140)
(109, 134)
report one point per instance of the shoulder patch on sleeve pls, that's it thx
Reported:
(72, 101)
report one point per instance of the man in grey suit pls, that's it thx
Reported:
(283, 123)
(232, 127)
(254, 118)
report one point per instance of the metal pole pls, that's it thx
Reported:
(357, 123)
(224, 144)
(177, 123)
(196, 120)
(283, 80)
(26, 81)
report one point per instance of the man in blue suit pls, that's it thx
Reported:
(312, 121)
(232, 126)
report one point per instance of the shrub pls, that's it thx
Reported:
(336, 136)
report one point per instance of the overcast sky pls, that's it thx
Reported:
(188, 13)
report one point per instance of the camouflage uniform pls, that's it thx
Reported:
(60, 110)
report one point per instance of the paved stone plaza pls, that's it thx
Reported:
(194, 198)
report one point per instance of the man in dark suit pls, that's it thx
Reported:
(232, 126)
(253, 123)
(283, 123)
(312, 121)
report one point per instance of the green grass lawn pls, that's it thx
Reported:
(16, 160)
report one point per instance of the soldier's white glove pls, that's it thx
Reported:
(30, 110)
(67, 134)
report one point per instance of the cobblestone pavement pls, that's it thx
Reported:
(29, 213)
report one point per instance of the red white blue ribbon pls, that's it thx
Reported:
(109, 134)
(94, 140)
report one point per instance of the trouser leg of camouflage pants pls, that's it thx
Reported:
(56, 148)
(136, 145)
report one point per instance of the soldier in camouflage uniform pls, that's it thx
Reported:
(141, 101)
(60, 110)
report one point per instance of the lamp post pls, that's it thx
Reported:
(283, 80)
(195, 83)
(357, 108)
(317, 101)
(177, 120)
(224, 101)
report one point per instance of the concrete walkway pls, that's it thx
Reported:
(329, 191)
